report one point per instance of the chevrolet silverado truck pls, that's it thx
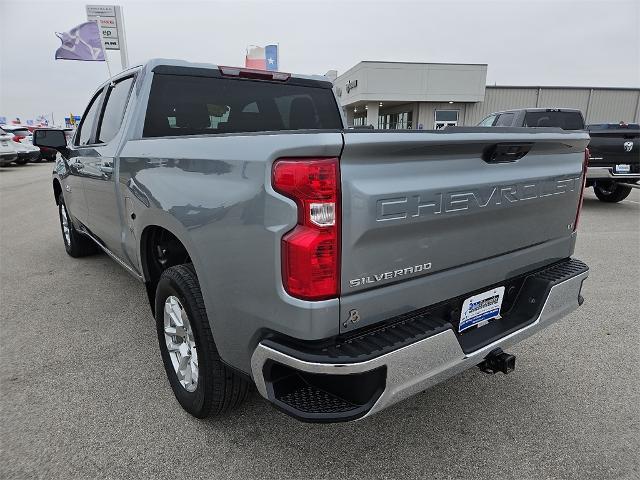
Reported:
(614, 163)
(339, 271)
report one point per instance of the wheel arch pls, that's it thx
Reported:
(57, 190)
(161, 247)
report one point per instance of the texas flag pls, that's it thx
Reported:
(262, 58)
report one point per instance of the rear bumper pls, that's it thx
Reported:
(594, 173)
(32, 155)
(405, 371)
(7, 158)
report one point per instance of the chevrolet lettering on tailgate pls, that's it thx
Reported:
(399, 208)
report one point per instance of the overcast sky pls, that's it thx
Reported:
(534, 42)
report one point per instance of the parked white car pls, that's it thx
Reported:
(26, 152)
(7, 151)
(23, 139)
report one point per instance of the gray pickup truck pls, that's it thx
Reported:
(339, 271)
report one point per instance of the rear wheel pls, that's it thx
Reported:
(201, 382)
(22, 161)
(76, 244)
(611, 192)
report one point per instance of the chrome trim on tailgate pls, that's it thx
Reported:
(418, 366)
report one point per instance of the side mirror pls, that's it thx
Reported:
(50, 138)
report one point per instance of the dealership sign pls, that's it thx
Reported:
(109, 19)
(351, 84)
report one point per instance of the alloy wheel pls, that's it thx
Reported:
(181, 344)
(66, 224)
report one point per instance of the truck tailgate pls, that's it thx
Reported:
(615, 146)
(433, 204)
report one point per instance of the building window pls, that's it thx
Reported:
(446, 118)
(360, 120)
(396, 121)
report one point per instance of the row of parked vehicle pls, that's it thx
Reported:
(614, 148)
(16, 146)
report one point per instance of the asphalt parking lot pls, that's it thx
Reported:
(83, 393)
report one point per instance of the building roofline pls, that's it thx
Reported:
(565, 87)
(422, 63)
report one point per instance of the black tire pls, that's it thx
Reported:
(22, 161)
(611, 192)
(218, 388)
(76, 244)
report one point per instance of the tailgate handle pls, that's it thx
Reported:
(505, 152)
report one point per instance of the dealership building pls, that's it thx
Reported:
(394, 95)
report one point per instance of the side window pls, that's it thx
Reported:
(84, 129)
(505, 120)
(116, 104)
(487, 121)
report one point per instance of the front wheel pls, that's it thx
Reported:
(22, 161)
(611, 192)
(201, 382)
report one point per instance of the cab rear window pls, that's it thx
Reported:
(190, 105)
(558, 119)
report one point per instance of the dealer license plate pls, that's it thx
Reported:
(481, 308)
(623, 168)
(4, 143)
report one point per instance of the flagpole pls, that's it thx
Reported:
(104, 51)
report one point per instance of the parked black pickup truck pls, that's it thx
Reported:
(614, 162)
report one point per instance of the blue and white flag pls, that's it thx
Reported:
(81, 43)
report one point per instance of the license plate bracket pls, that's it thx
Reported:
(481, 308)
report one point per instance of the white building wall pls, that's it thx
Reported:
(613, 106)
(564, 98)
(424, 88)
(598, 105)
(499, 98)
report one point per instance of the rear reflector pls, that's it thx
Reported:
(585, 166)
(311, 251)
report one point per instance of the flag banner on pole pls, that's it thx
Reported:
(81, 43)
(262, 58)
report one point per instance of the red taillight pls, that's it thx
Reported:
(17, 138)
(585, 166)
(311, 251)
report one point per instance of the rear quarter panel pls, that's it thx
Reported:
(213, 192)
